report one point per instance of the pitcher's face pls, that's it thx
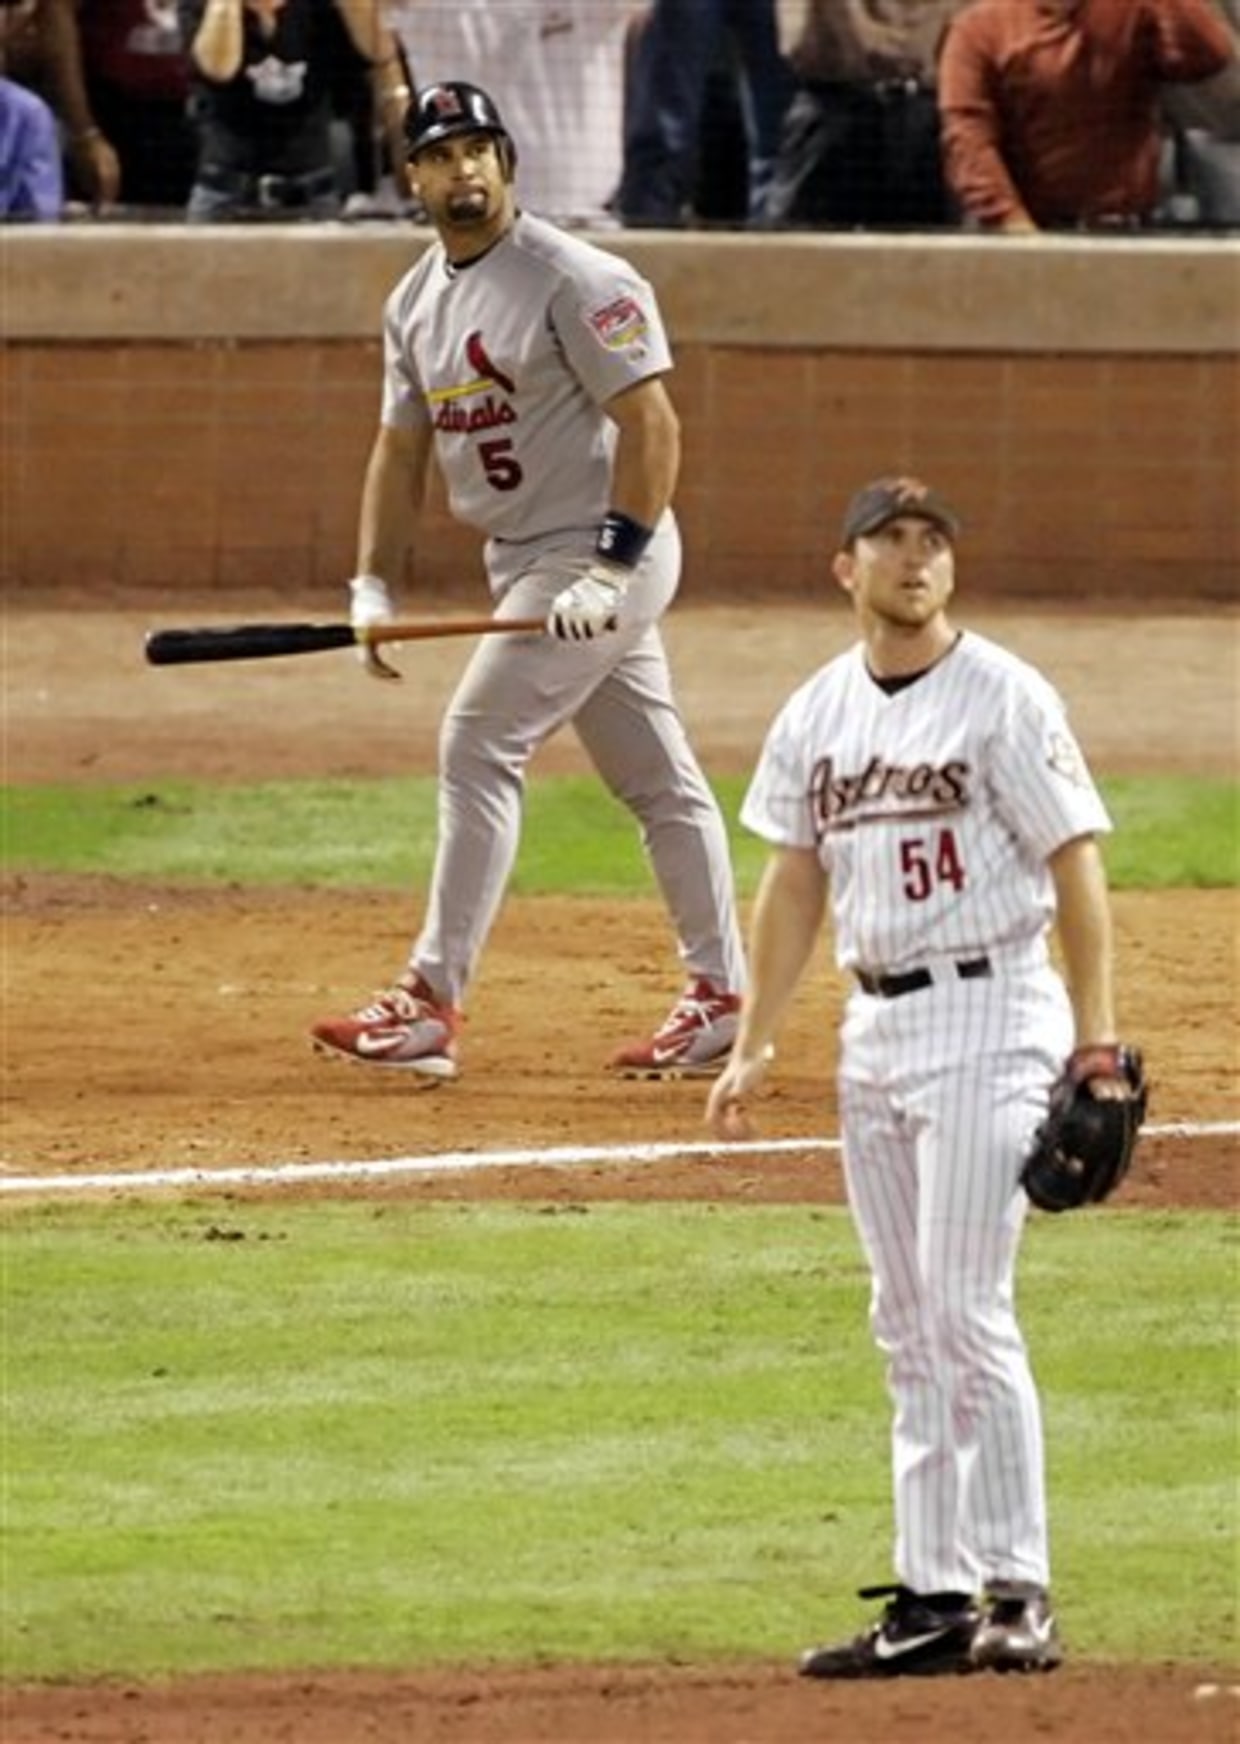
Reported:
(902, 575)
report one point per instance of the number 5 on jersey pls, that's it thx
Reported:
(503, 470)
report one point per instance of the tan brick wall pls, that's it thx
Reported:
(142, 456)
(239, 466)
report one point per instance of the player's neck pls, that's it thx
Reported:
(904, 651)
(463, 244)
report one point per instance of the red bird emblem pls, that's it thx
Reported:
(482, 366)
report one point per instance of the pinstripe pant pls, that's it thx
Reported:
(939, 1094)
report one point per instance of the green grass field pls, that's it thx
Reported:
(346, 1433)
(1169, 833)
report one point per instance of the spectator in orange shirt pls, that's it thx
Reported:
(1050, 108)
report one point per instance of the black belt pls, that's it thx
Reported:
(885, 90)
(913, 980)
(268, 192)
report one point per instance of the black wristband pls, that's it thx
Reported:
(622, 540)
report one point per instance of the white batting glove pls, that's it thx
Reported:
(590, 605)
(370, 603)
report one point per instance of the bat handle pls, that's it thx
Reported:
(373, 634)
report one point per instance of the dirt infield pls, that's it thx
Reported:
(191, 1006)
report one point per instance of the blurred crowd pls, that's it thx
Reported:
(998, 115)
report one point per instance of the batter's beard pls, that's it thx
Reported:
(469, 208)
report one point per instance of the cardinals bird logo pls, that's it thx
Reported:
(482, 366)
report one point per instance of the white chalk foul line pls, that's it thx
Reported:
(437, 1163)
(460, 1162)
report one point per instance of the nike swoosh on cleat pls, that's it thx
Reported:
(887, 1649)
(375, 1046)
(666, 1056)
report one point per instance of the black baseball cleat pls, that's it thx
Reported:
(1017, 1631)
(918, 1635)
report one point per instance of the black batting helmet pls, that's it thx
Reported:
(439, 111)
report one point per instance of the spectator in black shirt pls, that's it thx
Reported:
(264, 74)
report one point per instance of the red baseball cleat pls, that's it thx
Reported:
(694, 1040)
(405, 1027)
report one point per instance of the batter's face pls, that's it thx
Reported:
(466, 188)
(900, 577)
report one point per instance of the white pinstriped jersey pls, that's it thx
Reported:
(933, 810)
(510, 360)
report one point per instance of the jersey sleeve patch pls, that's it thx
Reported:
(1064, 756)
(619, 324)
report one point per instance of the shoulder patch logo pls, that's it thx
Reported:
(1064, 757)
(619, 323)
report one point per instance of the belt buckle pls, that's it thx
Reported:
(267, 192)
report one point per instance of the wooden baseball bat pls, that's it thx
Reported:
(185, 647)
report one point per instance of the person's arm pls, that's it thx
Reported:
(368, 33)
(884, 46)
(647, 460)
(218, 44)
(36, 189)
(971, 124)
(644, 473)
(1212, 107)
(390, 80)
(392, 83)
(391, 499)
(92, 158)
(1211, 104)
(787, 917)
(1083, 924)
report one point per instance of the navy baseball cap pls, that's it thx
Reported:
(887, 499)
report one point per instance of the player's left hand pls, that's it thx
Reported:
(1083, 1148)
(590, 605)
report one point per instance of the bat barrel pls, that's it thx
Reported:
(187, 647)
(243, 642)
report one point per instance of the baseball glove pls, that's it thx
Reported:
(1082, 1150)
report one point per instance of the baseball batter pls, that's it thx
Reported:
(532, 365)
(927, 784)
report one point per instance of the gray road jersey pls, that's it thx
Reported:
(510, 362)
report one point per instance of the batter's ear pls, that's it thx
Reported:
(843, 568)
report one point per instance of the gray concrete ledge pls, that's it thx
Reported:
(838, 292)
